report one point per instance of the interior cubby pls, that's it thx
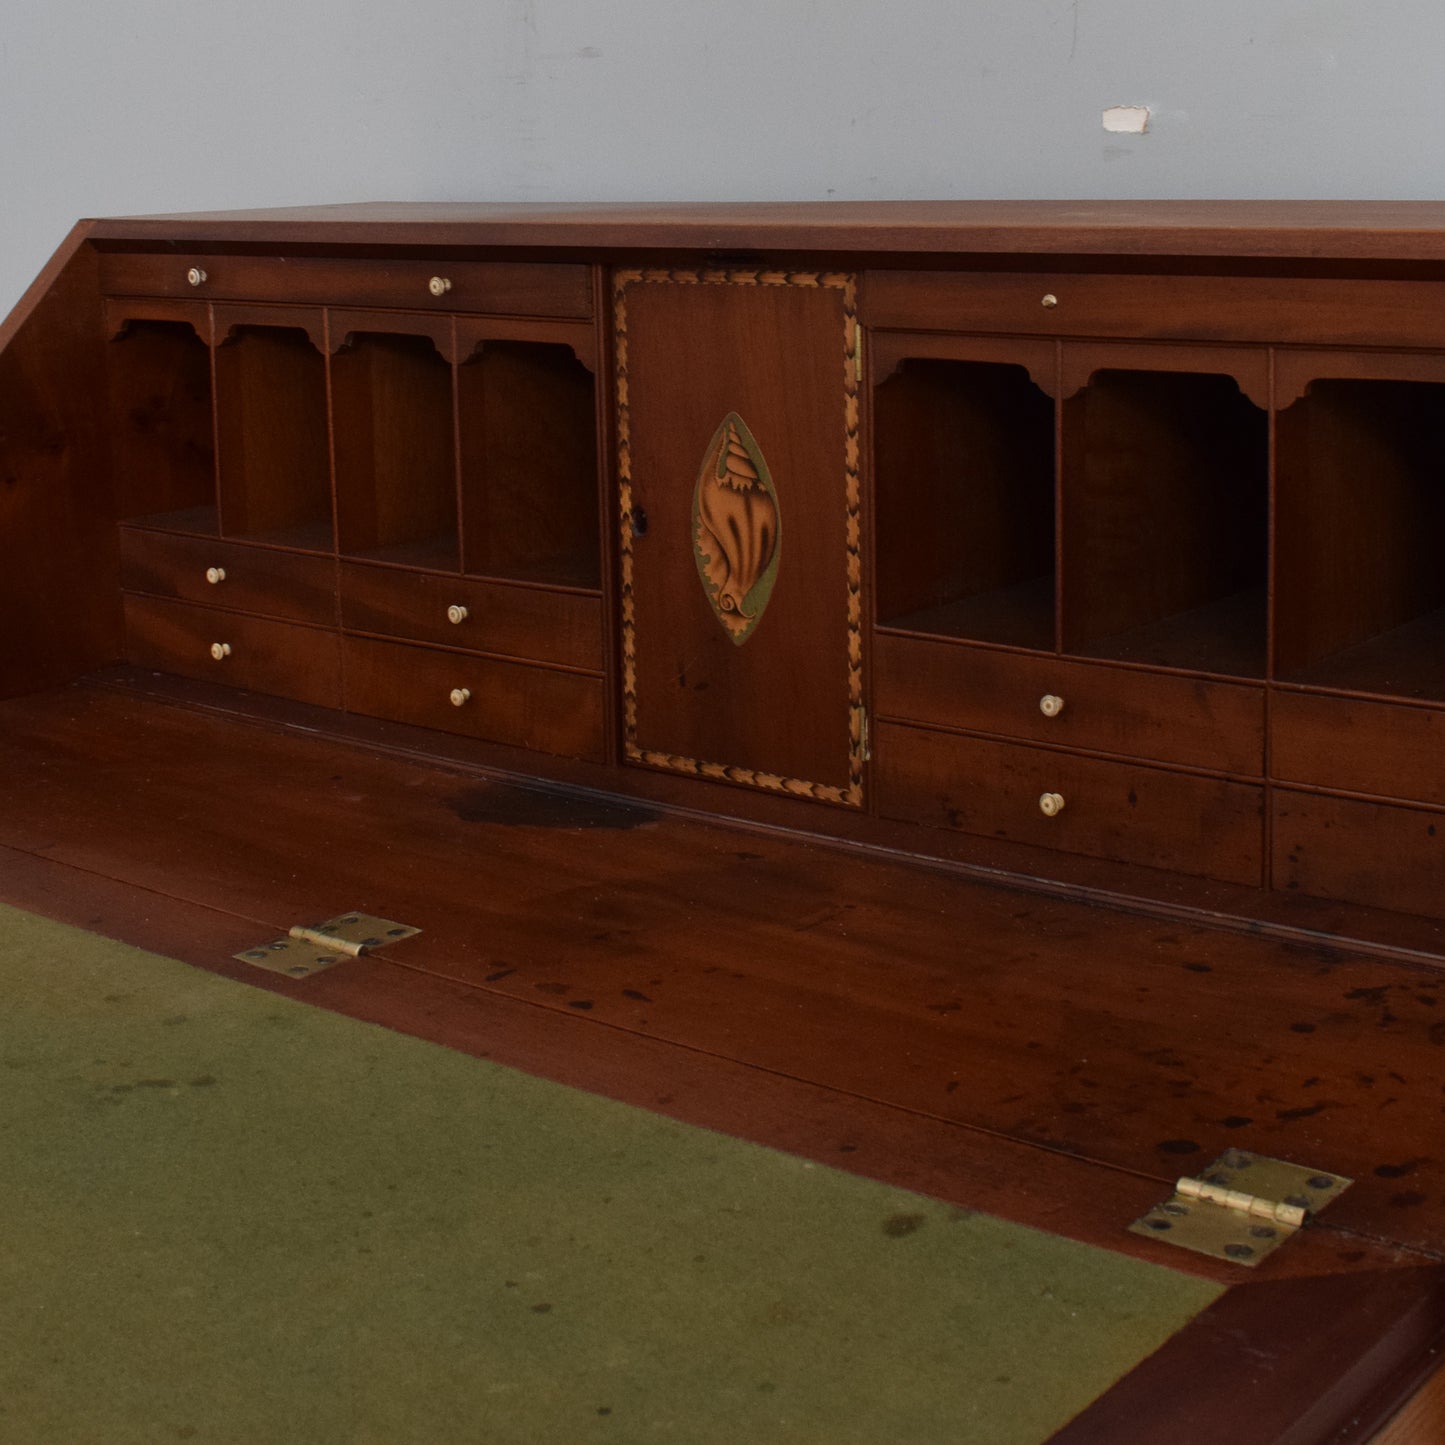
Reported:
(163, 452)
(1361, 522)
(274, 461)
(528, 433)
(964, 479)
(396, 480)
(1166, 522)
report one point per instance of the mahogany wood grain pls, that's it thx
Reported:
(259, 580)
(1422, 1420)
(1360, 515)
(1355, 746)
(776, 356)
(1106, 709)
(121, 313)
(475, 332)
(1277, 310)
(1164, 487)
(1379, 853)
(58, 564)
(539, 624)
(527, 422)
(963, 466)
(516, 703)
(1301, 232)
(283, 658)
(509, 287)
(1290, 919)
(161, 428)
(1147, 1044)
(394, 444)
(272, 444)
(1112, 810)
(1240, 1372)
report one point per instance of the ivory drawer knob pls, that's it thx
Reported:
(439, 285)
(457, 614)
(461, 696)
(215, 575)
(1048, 301)
(1051, 804)
(220, 651)
(196, 276)
(1050, 705)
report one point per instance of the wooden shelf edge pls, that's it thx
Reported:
(1283, 1362)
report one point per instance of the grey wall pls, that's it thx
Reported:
(128, 106)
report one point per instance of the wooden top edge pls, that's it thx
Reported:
(40, 287)
(1394, 230)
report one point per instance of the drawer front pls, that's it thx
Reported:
(1216, 725)
(1193, 308)
(280, 658)
(527, 622)
(1358, 747)
(503, 288)
(504, 702)
(288, 585)
(1188, 824)
(1376, 854)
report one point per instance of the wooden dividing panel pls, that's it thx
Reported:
(503, 702)
(527, 422)
(281, 658)
(526, 622)
(1165, 520)
(396, 492)
(161, 433)
(1093, 706)
(234, 575)
(1144, 815)
(964, 516)
(1377, 854)
(271, 423)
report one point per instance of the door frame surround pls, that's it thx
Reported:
(850, 358)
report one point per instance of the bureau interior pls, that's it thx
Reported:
(486, 464)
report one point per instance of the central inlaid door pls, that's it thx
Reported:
(740, 512)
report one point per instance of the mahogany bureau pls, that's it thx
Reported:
(1093, 549)
(1095, 543)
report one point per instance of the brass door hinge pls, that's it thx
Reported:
(1243, 1207)
(310, 947)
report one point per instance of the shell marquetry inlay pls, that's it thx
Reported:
(737, 532)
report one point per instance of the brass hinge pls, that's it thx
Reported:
(1244, 1207)
(857, 353)
(311, 947)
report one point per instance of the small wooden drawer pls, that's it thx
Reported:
(502, 702)
(289, 585)
(535, 623)
(1377, 854)
(1358, 747)
(1179, 821)
(281, 658)
(1164, 718)
(502, 288)
(1143, 307)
